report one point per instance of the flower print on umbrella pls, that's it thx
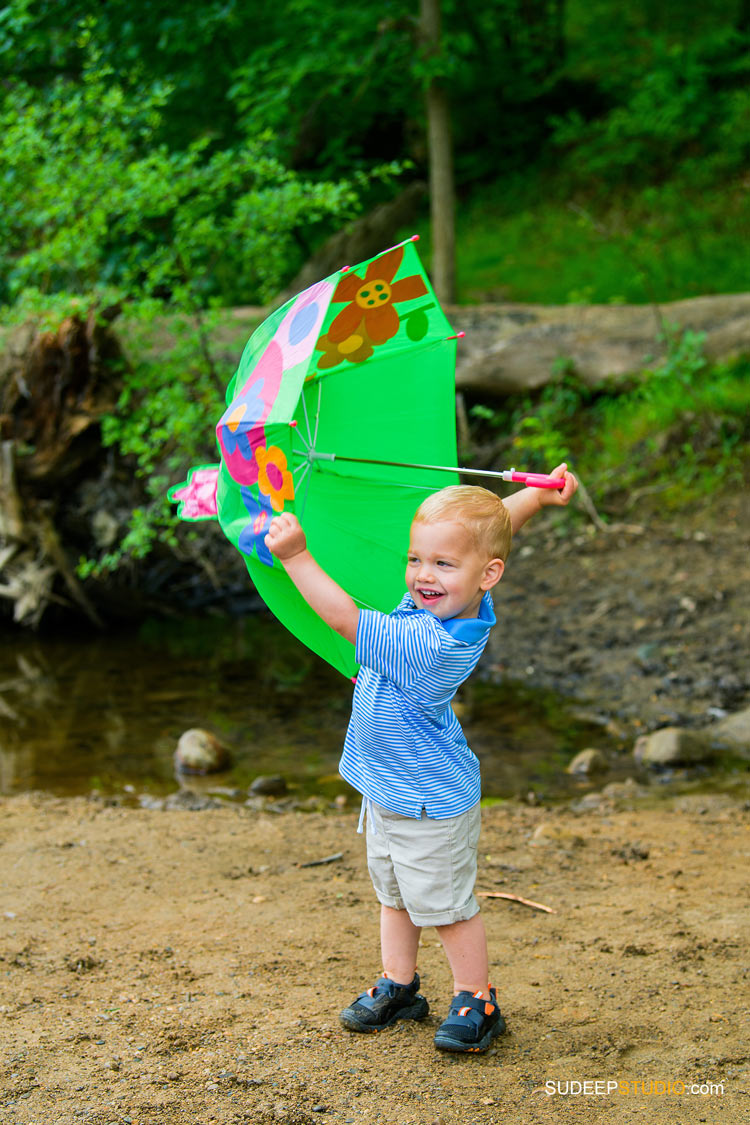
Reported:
(253, 535)
(274, 479)
(355, 349)
(298, 330)
(370, 310)
(245, 410)
(240, 430)
(197, 495)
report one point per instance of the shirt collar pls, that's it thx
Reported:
(469, 630)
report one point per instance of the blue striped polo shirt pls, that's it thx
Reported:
(404, 748)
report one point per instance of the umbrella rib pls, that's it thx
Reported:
(317, 417)
(302, 438)
(305, 469)
(307, 417)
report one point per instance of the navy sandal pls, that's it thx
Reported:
(383, 1004)
(472, 1023)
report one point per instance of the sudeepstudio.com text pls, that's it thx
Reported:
(628, 1088)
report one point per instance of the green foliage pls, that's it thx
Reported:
(114, 207)
(683, 426)
(687, 424)
(682, 107)
(118, 217)
(339, 87)
(540, 430)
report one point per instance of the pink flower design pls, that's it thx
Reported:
(197, 495)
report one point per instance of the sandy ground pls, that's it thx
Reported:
(186, 967)
(161, 967)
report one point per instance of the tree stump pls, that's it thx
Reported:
(54, 389)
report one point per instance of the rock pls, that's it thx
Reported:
(623, 790)
(672, 746)
(734, 733)
(191, 802)
(146, 801)
(587, 762)
(272, 786)
(547, 833)
(199, 751)
(104, 528)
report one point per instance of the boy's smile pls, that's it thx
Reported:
(445, 574)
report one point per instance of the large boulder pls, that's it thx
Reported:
(672, 746)
(733, 733)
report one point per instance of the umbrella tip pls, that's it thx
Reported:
(293, 423)
(414, 238)
(458, 336)
(345, 269)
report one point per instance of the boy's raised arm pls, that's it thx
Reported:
(286, 540)
(525, 503)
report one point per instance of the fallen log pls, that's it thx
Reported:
(512, 348)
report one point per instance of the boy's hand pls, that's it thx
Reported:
(285, 537)
(562, 496)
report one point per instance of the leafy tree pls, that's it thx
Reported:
(679, 106)
(96, 207)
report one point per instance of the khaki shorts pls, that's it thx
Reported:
(426, 866)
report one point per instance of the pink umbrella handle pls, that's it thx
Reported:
(536, 480)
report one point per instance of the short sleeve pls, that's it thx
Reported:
(403, 649)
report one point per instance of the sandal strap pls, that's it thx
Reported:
(467, 1007)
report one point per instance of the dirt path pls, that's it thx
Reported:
(161, 968)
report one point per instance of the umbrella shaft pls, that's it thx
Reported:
(315, 456)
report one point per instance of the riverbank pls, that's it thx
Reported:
(648, 621)
(187, 968)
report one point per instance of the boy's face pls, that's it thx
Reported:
(444, 572)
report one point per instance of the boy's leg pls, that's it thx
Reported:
(396, 995)
(474, 1019)
(465, 945)
(399, 943)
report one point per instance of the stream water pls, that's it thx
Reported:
(105, 713)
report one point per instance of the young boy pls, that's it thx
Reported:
(405, 750)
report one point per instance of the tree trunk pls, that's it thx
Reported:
(440, 146)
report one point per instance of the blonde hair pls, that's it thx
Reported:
(480, 511)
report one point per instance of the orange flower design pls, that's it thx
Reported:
(274, 479)
(355, 348)
(370, 313)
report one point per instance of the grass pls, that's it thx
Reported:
(529, 241)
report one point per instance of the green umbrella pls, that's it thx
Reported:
(356, 371)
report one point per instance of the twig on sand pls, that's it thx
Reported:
(515, 898)
(320, 862)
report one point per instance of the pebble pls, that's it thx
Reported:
(271, 786)
(588, 761)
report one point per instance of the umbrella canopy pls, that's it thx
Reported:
(359, 365)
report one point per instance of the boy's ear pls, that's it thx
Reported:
(493, 572)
